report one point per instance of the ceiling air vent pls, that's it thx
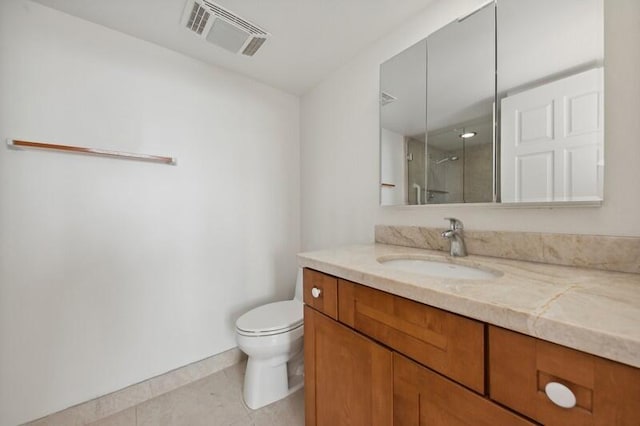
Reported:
(223, 28)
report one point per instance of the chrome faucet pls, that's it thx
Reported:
(454, 234)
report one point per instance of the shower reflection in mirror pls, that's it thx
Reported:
(456, 162)
(459, 164)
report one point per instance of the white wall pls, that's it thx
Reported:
(339, 145)
(113, 271)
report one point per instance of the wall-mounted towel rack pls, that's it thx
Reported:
(92, 151)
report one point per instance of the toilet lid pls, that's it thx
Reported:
(278, 316)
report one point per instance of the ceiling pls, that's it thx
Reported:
(309, 38)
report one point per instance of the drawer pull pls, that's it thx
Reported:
(560, 395)
(315, 292)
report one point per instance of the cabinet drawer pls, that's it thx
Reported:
(320, 292)
(606, 392)
(422, 397)
(448, 343)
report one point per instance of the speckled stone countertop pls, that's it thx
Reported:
(586, 309)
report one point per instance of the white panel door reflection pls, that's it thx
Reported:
(552, 141)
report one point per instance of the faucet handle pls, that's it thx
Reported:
(454, 223)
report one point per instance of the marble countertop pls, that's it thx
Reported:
(586, 309)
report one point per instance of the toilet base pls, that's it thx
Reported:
(267, 381)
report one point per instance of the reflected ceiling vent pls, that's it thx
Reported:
(223, 28)
(386, 98)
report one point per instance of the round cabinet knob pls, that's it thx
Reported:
(315, 292)
(560, 395)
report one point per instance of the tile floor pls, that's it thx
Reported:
(215, 400)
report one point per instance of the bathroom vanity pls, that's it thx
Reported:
(388, 346)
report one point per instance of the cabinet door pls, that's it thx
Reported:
(423, 397)
(348, 378)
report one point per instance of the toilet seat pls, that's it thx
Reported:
(272, 318)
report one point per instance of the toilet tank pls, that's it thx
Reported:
(298, 293)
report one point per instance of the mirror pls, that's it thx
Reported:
(431, 95)
(551, 87)
(403, 126)
(535, 137)
(461, 94)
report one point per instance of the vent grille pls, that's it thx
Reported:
(386, 98)
(223, 28)
(198, 18)
(225, 14)
(253, 46)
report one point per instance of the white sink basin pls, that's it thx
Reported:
(440, 269)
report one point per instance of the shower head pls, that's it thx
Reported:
(444, 160)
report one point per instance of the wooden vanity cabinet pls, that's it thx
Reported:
(607, 393)
(373, 358)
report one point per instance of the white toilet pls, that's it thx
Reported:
(271, 335)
